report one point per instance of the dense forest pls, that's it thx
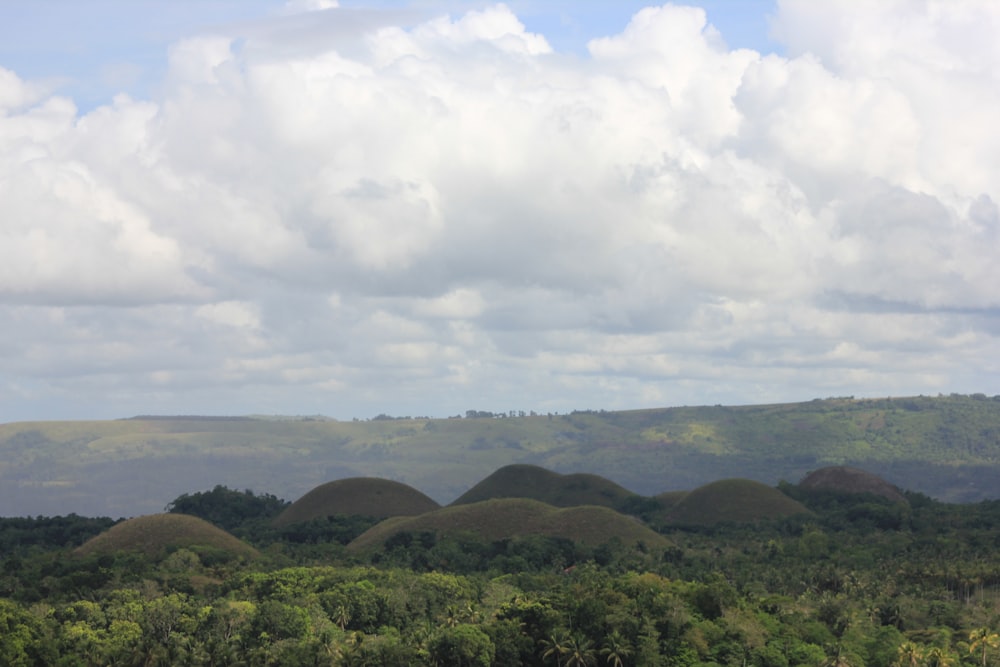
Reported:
(860, 581)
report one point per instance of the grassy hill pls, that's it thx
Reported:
(504, 518)
(731, 500)
(529, 481)
(365, 496)
(946, 446)
(157, 534)
(844, 479)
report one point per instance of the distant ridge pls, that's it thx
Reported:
(192, 418)
(505, 518)
(529, 481)
(947, 447)
(366, 496)
(845, 479)
(157, 534)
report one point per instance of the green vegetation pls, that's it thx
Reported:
(858, 581)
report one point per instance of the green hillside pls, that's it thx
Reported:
(947, 447)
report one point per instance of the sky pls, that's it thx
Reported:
(423, 207)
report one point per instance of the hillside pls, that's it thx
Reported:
(537, 483)
(155, 535)
(844, 479)
(731, 500)
(947, 447)
(505, 518)
(364, 496)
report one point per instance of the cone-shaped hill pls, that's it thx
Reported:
(529, 481)
(507, 518)
(843, 479)
(366, 496)
(736, 500)
(157, 534)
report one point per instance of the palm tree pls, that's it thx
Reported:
(554, 647)
(908, 655)
(616, 649)
(579, 652)
(982, 639)
(342, 616)
(839, 658)
(939, 657)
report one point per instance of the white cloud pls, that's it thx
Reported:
(411, 217)
(299, 6)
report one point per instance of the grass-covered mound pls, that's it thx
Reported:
(506, 518)
(365, 496)
(529, 481)
(157, 534)
(732, 500)
(844, 479)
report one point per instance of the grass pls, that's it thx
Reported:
(504, 518)
(530, 481)
(732, 500)
(845, 479)
(157, 534)
(365, 496)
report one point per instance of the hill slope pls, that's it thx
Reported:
(517, 517)
(537, 483)
(947, 447)
(367, 496)
(732, 500)
(154, 535)
(844, 479)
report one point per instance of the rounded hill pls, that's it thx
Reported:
(158, 534)
(844, 479)
(505, 518)
(530, 481)
(366, 496)
(732, 500)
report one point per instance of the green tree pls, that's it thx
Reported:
(909, 654)
(981, 640)
(579, 652)
(462, 646)
(554, 647)
(616, 649)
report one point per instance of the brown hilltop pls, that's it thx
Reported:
(157, 534)
(844, 479)
(522, 480)
(506, 518)
(366, 496)
(729, 500)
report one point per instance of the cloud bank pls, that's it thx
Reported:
(329, 212)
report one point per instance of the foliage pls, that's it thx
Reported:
(830, 588)
(226, 508)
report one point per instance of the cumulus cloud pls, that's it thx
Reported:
(417, 216)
